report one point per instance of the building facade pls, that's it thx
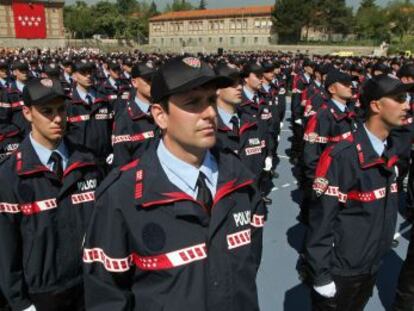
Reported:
(53, 10)
(228, 27)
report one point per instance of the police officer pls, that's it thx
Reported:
(179, 228)
(4, 78)
(90, 116)
(353, 216)
(46, 199)
(134, 126)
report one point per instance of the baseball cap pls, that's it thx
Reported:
(115, 66)
(336, 76)
(52, 69)
(407, 70)
(42, 91)
(181, 74)
(383, 86)
(83, 65)
(20, 65)
(143, 70)
(252, 68)
(228, 70)
(4, 64)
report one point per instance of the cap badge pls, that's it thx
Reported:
(46, 82)
(192, 62)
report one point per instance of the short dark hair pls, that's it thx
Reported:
(164, 104)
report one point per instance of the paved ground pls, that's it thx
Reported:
(279, 286)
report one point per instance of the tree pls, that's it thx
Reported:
(153, 10)
(289, 17)
(401, 16)
(365, 4)
(126, 6)
(179, 5)
(202, 5)
(371, 22)
(77, 20)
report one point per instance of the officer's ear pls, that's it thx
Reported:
(27, 113)
(160, 115)
(375, 106)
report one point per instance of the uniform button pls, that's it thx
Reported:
(216, 283)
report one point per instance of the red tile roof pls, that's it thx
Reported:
(214, 13)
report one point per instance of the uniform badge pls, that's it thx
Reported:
(46, 82)
(312, 137)
(192, 62)
(320, 185)
(149, 65)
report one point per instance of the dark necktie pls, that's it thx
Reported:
(57, 164)
(89, 99)
(235, 121)
(204, 194)
(117, 85)
(255, 99)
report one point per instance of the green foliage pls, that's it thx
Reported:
(179, 5)
(202, 5)
(289, 17)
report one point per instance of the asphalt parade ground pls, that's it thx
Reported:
(279, 286)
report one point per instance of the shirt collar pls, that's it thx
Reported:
(226, 117)
(127, 75)
(44, 153)
(187, 173)
(318, 84)
(112, 82)
(2, 81)
(266, 87)
(83, 94)
(377, 144)
(248, 93)
(143, 106)
(307, 77)
(340, 106)
(19, 85)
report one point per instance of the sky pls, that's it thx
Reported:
(227, 3)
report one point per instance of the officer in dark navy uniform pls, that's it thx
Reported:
(46, 200)
(352, 218)
(180, 228)
(4, 77)
(90, 115)
(134, 127)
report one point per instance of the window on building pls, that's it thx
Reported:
(243, 39)
(264, 23)
(221, 39)
(239, 24)
(244, 24)
(256, 40)
(269, 23)
(200, 40)
(257, 23)
(269, 39)
(232, 40)
(221, 25)
(210, 40)
(232, 24)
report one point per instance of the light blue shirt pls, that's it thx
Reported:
(3, 82)
(19, 85)
(112, 82)
(266, 87)
(184, 175)
(340, 106)
(248, 93)
(44, 154)
(143, 106)
(378, 144)
(83, 95)
(226, 117)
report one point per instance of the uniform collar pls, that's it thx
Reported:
(226, 117)
(82, 94)
(367, 155)
(44, 153)
(249, 95)
(341, 107)
(338, 114)
(184, 172)
(144, 107)
(112, 82)
(19, 85)
(377, 144)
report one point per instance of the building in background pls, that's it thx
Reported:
(31, 23)
(228, 27)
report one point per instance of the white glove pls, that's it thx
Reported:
(281, 125)
(31, 308)
(298, 121)
(268, 164)
(327, 291)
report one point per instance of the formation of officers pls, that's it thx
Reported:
(141, 181)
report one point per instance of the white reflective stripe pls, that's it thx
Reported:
(12, 208)
(83, 197)
(103, 116)
(111, 97)
(116, 139)
(5, 105)
(91, 255)
(258, 221)
(38, 206)
(239, 239)
(253, 150)
(79, 118)
(368, 196)
(187, 255)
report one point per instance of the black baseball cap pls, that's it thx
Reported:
(252, 68)
(268, 67)
(143, 70)
(383, 86)
(181, 74)
(52, 69)
(4, 64)
(228, 70)
(336, 76)
(42, 91)
(20, 65)
(83, 65)
(114, 66)
(407, 70)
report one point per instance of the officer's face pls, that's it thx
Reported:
(189, 126)
(269, 76)
(114, 74)
(68, 70)
(231, 95)
(3, 74)
(83, 78)
(48, 122)
(143, 86)
(393, 110)
(407, 80)
(20, 75)
(341, 91)
(254, 81)
(277, 71)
